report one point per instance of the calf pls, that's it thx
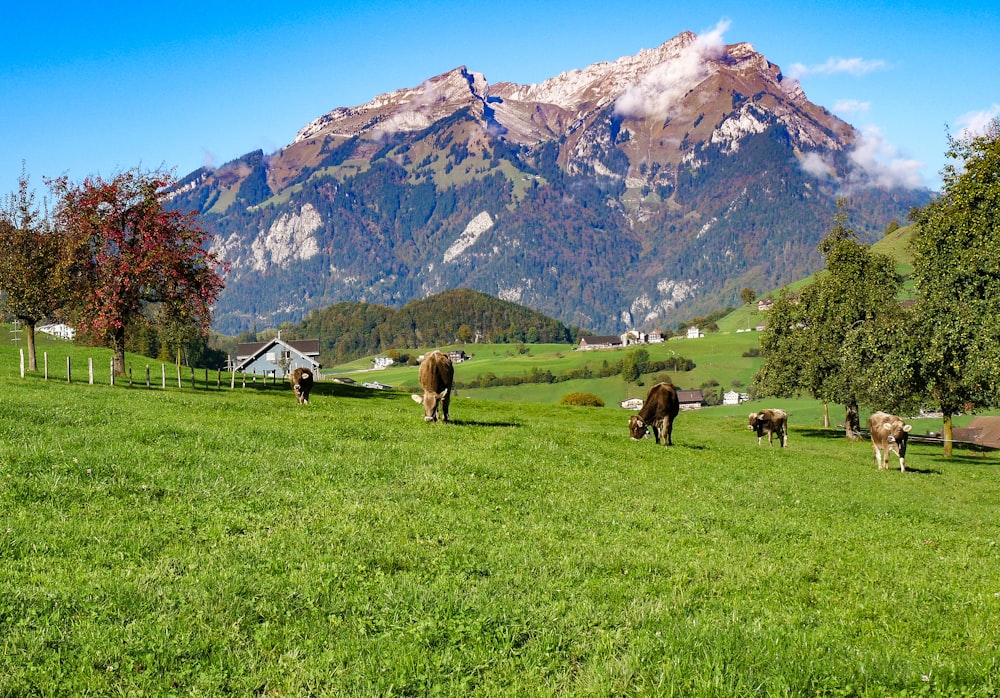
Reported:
(302, 384)
(770, 422)
(889, 435)
(436, 376)
(658, 412)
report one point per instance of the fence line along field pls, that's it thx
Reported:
(207, 542)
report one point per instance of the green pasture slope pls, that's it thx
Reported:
(718, 356)
(231, 542)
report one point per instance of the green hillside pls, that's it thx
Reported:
(211, 542)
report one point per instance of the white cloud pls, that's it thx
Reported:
(835, 66)
(817, 166)
(851, 106)
(662, 87)
(872, 161)
(877, 161)
(974, 123)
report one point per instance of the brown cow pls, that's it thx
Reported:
(889, 435)
(436, 376)
(302, 384)
(770, 422)
(658, 412)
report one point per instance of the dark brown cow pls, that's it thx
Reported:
(436, 376)
(302, 384)
(770, 422)
(889, 435)
(658, 413)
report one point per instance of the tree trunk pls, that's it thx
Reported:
(29, 334)
(118, 345)
(946, 434)
(852, 422)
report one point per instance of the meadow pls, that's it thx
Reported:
(231, 542)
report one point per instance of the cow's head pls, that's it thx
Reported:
(430, 402)
(637, 427)
(753, 421)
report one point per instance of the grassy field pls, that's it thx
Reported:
(230, 542)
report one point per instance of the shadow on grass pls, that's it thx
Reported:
(818, 432)
(476, 423)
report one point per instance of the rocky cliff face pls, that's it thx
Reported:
(628, 193)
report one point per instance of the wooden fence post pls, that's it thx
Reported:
(90, 368)
(163, 375)
(112, 371)
(179, 376)
(45, 360)
(22, 363)
(147, 375)
(69, 370)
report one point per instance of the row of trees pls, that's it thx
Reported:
(111, 258)
(846, 338)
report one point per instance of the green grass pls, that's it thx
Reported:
(211, 542)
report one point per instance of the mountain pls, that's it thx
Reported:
(627, 194)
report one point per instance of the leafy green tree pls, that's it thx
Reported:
(135, 254)
(956, 269)
(36, 263)
(803, 344)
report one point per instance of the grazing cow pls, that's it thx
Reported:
(770, 422)
(302, 384)
(889, 435)
(436, 376)
(658, 413)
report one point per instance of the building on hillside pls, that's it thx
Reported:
(633, 403)
(382, 362)
(277, 357)
(58, 330)
(375, 385)
(765, 304)
(457, 356)
(598, 342)
(655, 337)
(694, 333)
(731, 397)
(634, 337)
(690, 399)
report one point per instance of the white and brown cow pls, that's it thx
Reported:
(302, 384)
(436, 376)
(770, 422)
(657, 413)
(889, 435)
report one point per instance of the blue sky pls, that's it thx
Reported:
(96, 88)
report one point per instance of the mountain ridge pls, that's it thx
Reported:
(620, 195)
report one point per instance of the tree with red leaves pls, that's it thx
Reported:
(136, 256)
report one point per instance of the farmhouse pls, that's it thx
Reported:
(690, 399)
(59, 330)
(633, 403)
(457, 356)
(382, 362)
(731, 397)
(277, 357)
(694, 333)
(600, 342)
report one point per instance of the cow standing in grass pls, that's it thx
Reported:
(770, 422)
(889, 435)
(657, 413)
(436, 377)
(302, 383)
